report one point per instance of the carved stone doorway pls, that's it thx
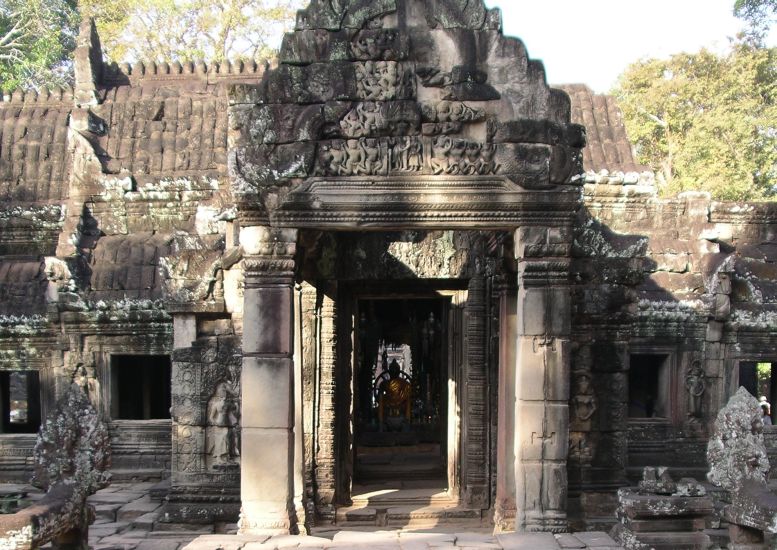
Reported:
(401, 382)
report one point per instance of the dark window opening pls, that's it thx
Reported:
(20, 394)
(759, 379)
(649, 386)
(141, 387)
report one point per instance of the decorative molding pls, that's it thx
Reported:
(429, 202)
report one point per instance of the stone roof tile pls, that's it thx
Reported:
(165, 131)
(23, 285)
(127, 266)
(34, 160)
(608, 147)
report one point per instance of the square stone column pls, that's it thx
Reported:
(542, 331)
(267, 401)
(504, 508)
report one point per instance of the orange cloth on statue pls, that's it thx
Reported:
(397, 392)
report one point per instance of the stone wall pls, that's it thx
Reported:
(123, 200)
(116, 212)
(687, 278)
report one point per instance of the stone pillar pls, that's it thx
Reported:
(504, 508)
(543, 326)
(299, 443)
(267, 402)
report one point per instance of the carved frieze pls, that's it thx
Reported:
(353, 157)
(452, 156)
(383, 81)
(451, 111)
(393, 118)
(441, 128)
(342, 14)
(407, 155)
(385, 44)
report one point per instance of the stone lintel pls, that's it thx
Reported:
(429, 202)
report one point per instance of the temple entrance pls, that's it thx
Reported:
(401, 392)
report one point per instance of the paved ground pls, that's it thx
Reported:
(127, 518)
(403, 540)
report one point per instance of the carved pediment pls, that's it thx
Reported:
(401, 113)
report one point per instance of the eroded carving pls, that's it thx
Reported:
(87, 381)
(461, 157)
(390, 118)
(376, 44)
(584, 403)
(222, 434)
(451, 111)
(381, 80)
(407, 155)
(736, 451)
(695, 385)
(72, 458)
(352, 157)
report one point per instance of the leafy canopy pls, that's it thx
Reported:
(170, 30)
(758, 14)
(36, 39)
(706, 122)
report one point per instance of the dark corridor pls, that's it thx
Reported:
(401, 379)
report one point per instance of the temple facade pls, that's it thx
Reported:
(395, 260)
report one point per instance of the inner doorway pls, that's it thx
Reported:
(401, 393)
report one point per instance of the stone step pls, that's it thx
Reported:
(160, 490)
(407, 515)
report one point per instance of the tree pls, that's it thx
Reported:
(36, 39)
(169, 30)
(706, 122)
(758, 14)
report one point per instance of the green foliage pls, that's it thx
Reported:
(172, 30)
(36, 39)
(758, 14)
(706, 122)
(764, 371)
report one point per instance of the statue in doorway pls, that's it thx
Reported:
(395, 395)
(222, 437)
(695, 385)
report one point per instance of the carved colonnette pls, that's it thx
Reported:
(476, 466)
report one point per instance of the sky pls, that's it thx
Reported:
(593, 41)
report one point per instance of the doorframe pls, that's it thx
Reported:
(455, 294)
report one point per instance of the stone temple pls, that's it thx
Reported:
(396, 259)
